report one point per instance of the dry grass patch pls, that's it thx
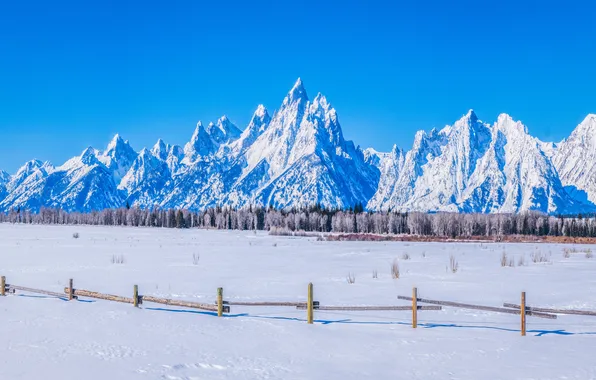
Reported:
(504, 259)
(395, 270)
(539, 257)
(118, 259)
(453, 264)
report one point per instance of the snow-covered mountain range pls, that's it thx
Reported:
(298, 156)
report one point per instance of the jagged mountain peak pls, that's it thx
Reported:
(507, 124)
(200, 144)
(89, 156)
(469, 119)
(260, 112)
(322, 108)
(296, 94)
(161, 150)
(198, 128)
(260, 119)
(257, 126)
(321, 100)
(119, 147)
(587, 126)
(223, 131)
(395, 150)
(116, 140)
(575, 160)
(297, 156)
(471, 115)
(30, 165)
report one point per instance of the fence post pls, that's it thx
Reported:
(2, 286)
(522, 310)
(414, 308)
(135, 297)
(219, 302)
(70, 290)
(309, 305)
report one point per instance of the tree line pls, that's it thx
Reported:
(320, 219)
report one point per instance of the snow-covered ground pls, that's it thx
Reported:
(44, 337)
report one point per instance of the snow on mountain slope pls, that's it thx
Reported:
(302, 158)
(516, 175)
(4, 180)
(200, 145)
(25, 188)
(375, 158)
(474, 167)
(299, 156)
(118, 157)
(206, 141)
(256, 127)
(575, 160)
(146, 179)
(399, 180)
(224, 131)
(391, 166)
(84, 183)
(445, 177)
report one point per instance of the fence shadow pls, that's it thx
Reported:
(54, 298)
(536, 332)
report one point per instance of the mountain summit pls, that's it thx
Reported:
(298, 156)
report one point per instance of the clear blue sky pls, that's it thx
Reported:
(73, 73)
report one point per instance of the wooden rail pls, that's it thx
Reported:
(552, 311)
(14, 288)
(372, 308)
(193, 305)
(101, 296)
(264, 303)
(479, 307)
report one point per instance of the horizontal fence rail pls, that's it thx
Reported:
(14, 288)
(192, 305)
(264, 303)
(371, 308)
(479, 307)
(532, 309)
(101, 296)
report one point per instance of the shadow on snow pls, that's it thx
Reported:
(353, 322)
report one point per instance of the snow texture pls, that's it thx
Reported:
(49, 338)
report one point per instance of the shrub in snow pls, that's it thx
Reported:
(75, 235)
(453, 264)
(503, 259)
(118, 259)
(522, 261)
(539, 257)
(395, 270)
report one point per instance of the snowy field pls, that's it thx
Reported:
(48, 338)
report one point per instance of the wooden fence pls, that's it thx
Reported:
(222, 306)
